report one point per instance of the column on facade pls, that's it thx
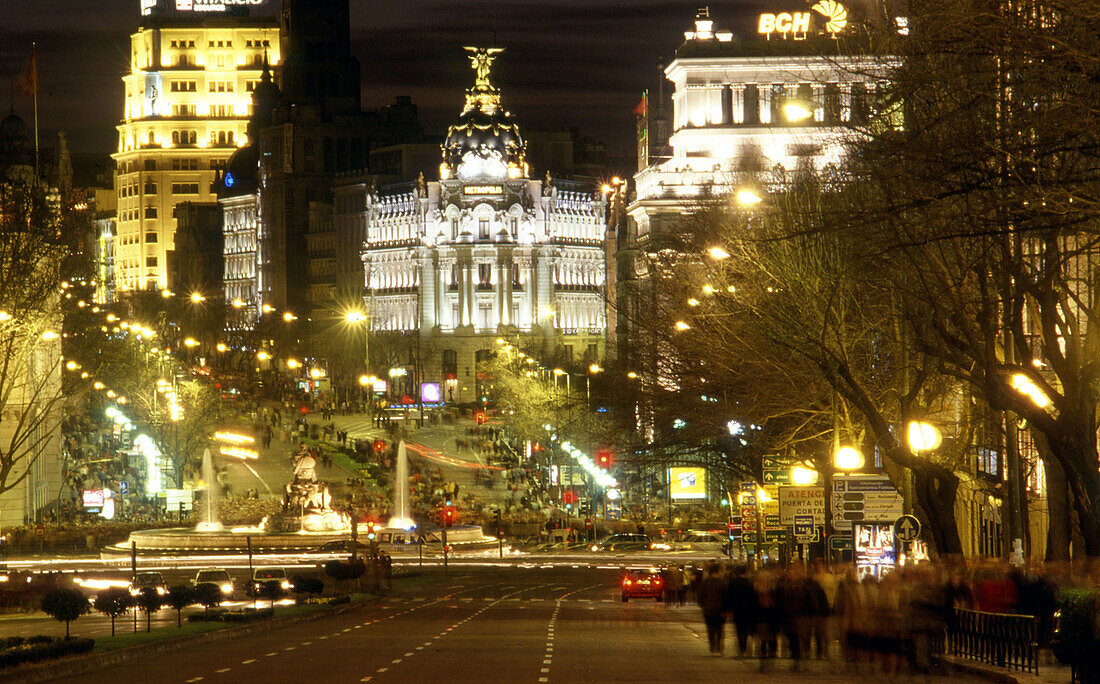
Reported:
(819, 101)
(737, 107)
(442, 278)
(765, 91)
(425, 292)
(845, 101)
(471, 292)
(545, 279)
(790, 94)
(526, 314)
(506, 276)
(461, 272)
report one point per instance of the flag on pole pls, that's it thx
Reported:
(643, 106)
(27, 84)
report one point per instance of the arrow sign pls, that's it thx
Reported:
(906, 529)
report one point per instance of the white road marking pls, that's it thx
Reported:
(383, 669)
(395, 661)
(248, 662)
(224, 669)
(271, 654)
(196, 679)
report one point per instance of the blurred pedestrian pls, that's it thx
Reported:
(742, 605)
(712, 599)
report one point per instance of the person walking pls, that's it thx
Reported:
(712, 600)
(743, 607)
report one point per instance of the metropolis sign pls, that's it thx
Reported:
(150, 6)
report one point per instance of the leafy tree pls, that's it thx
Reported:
(149, 601)
(179, 597)
(208, 596)
(65, 605)
(113, 602)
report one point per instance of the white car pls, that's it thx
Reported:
(216, 577)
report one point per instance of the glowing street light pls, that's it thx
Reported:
(796, 111)
(263, 355)
(1027, 387)
(221, 347)
(681, 326)
(848, 458)
(237, 303)
(197, 298)
(748, 198)
(355, 317)
(923, 436)
(801, 475)
(632, 375)
(49, 335)
(166, 293)
(289, 317)
(316, 373)
(191, 342)
(558, 371)
(267, 308)
(718, 253)
(293, 364)
(692, 301)
(5, 316)
(595, 368)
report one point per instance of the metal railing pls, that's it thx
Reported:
(998, 639)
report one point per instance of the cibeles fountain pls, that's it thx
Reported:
(305, 521)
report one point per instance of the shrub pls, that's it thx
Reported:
(208, 595)
(179, 597)
(1078, 637)
(35, 650)
(65, 605)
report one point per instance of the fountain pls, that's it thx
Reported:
(400, 512)
(210, 523)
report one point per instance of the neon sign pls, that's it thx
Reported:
(797, 24)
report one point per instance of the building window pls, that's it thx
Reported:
(180, 164)
(484, 275)
(484, 316)
(185, 188)
(592, 355)
(150, 212)
(454, 229)
(183, 86)
(483, 229)
(150, 237)
(151, 262)
(150, 164)
(515, 228)
(150, 188)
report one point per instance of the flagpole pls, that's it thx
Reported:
(34, 67)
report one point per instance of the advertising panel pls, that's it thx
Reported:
(687, 482)
(874, 549)
(94, 498)
(430, 393)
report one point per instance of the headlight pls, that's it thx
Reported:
(161, 591)
(227, 588)
(134, 592)
(284, 584)
(595, 547)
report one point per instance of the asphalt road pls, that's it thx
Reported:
(484, 625)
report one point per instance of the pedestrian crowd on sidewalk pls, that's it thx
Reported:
(896, 623)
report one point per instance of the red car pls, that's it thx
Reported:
(643, 584)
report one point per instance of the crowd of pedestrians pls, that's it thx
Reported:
(895, 623)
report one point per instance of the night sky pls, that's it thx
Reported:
(567, 62)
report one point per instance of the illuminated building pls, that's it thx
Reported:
(483, 252)
(187, 103)
(746, 112)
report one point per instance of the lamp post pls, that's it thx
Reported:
(593, 369)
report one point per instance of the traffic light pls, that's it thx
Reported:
(371, 530)
(731, 532)
(496, 517)
(448, 517)
(379, 445)
(603, 458)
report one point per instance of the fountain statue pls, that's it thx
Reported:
(307, 503)
(399, 518)
(210, 522)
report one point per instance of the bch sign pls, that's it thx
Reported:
(784, 22)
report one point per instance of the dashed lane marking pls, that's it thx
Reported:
(248, 662)
(224, 669)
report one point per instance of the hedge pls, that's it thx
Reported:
(34, 650)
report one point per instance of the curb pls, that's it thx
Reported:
(954, 666)
(70, 667)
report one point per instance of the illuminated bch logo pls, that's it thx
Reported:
(835, 14)
(797, 24)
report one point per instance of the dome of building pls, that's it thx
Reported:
(13, 129)
(242, 173)
(484, 143)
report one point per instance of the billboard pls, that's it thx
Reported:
(687, 482)
(873, 544)
(429, 392)
(94, 498)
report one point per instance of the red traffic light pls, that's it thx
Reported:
(603, 458)
(379, 445)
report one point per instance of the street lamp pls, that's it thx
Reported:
(293, 364)
(681, 326)
(197, 298)
(848, 458)
(796, 111)
(1027, 387)
(289, 317)
(190, 343)
(801, 475)
(747, 197)
(923, 436)
(593, 369)
(717, 253)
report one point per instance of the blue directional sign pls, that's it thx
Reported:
(124, 488)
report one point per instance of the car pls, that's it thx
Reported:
(216, 577)
(643, 584)
(148, 580)
(623, 542)
(340, 546)
(262, 577)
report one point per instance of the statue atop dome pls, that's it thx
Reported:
(481, 59)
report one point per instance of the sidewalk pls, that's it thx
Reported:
(1049, 673)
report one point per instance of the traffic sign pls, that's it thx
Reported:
(804, 529)
(906, 529)
(840, 542)
(749, 538)
(864, 498)
(123, 488)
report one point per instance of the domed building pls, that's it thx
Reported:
(483, 252)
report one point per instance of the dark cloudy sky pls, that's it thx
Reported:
(577, 63)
